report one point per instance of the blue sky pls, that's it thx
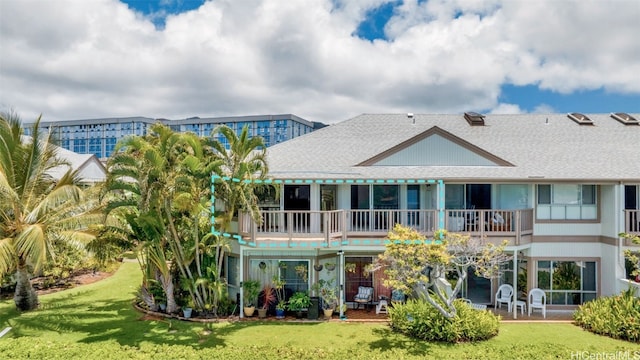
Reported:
(323, 60)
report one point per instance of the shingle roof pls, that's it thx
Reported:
(548, 146)
(90, 168)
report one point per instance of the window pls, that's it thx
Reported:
(566, 202)
(80, 146)
(506, 276)
(294, 272)
(385, 197)
(567, 282)
(360, 197)
(360, 201)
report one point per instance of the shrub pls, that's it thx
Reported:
(419, 319)
(226, 306)
(614, 316)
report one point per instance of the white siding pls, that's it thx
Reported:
(435, 150)
(565, 250)
(567, 229)
(608, 217)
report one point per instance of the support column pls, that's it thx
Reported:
(515, 284)
(241, 281)
(341, 281)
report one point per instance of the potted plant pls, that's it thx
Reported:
(187, 310)
(268, 298)
(303, 271)
(350, 268)
(299, 302)
(330, 266)
(251, 289)
(327, 292)
(281, 305)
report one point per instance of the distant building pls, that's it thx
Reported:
(99, 136)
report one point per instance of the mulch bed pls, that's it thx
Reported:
(74, 281)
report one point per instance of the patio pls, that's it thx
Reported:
(365, 316)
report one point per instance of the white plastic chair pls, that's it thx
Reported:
(474, 305)
(537, 300)
(504, 296)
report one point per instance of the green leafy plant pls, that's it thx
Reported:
(303, 272)
(632, 257)
(299, 301)
(278, 286)
(614, 316)
(251, 290)
(326, 289)
(419, 319)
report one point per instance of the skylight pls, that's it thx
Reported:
(581, 119)
(625, 118)
(474, 119)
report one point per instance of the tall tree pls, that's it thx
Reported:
(244, 162)
(157, 181)
(35, 208)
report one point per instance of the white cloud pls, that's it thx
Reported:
(91, 59)
(503, 108)
(544, 109)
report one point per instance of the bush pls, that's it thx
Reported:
(419, 319)
(226, 306)
(614, 316)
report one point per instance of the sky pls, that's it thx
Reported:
(322, 60)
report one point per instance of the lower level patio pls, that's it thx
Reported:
(369, 315)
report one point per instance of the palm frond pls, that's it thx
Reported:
(7, 256)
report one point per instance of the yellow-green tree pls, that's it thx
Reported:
(632, 256)
(413, 263)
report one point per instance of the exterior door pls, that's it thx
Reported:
(357, 276)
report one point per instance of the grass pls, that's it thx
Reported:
(98, 321)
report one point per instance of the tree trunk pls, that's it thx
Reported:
(167, 284)
(147, 298)
(25, 296)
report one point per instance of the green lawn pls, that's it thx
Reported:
(97, 321)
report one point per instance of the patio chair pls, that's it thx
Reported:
(504, 296)
(474, 305)
(364, 296)
(397, 296)
(537, 300)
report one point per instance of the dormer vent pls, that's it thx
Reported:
(625, 118)
(581, 119)
(474, 119)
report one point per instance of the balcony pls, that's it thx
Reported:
(318, 229)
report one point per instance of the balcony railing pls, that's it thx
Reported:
(323, 228)
(632, 221)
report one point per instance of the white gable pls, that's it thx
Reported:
(435, 150)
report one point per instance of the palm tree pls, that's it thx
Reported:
(245, 160)
(155, 179)
(36, 210)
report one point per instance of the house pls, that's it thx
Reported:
(558, 187)
(99, 136)
(89, 168)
